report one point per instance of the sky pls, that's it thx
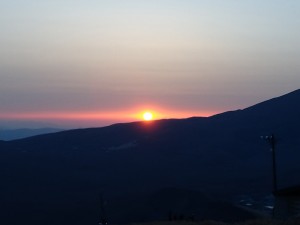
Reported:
(87, 63)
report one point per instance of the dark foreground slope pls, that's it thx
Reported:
(58, 178)
(252, 222)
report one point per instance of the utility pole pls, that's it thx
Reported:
(272, 142)
(103, 218)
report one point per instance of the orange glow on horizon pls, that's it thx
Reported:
(118, 115)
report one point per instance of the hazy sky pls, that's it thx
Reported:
(94, 62)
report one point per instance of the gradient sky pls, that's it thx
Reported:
(96, 62)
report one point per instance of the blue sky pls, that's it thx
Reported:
(99, 62)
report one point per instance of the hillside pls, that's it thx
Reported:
(61, 175)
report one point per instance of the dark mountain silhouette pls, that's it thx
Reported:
(58, 178)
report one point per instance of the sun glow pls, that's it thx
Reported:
(148, 116)
(101, 118)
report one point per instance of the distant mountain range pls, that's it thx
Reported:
(58, 178)
(12, 134)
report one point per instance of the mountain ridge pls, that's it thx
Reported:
(222, 156)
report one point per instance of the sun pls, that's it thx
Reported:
(148, 116)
